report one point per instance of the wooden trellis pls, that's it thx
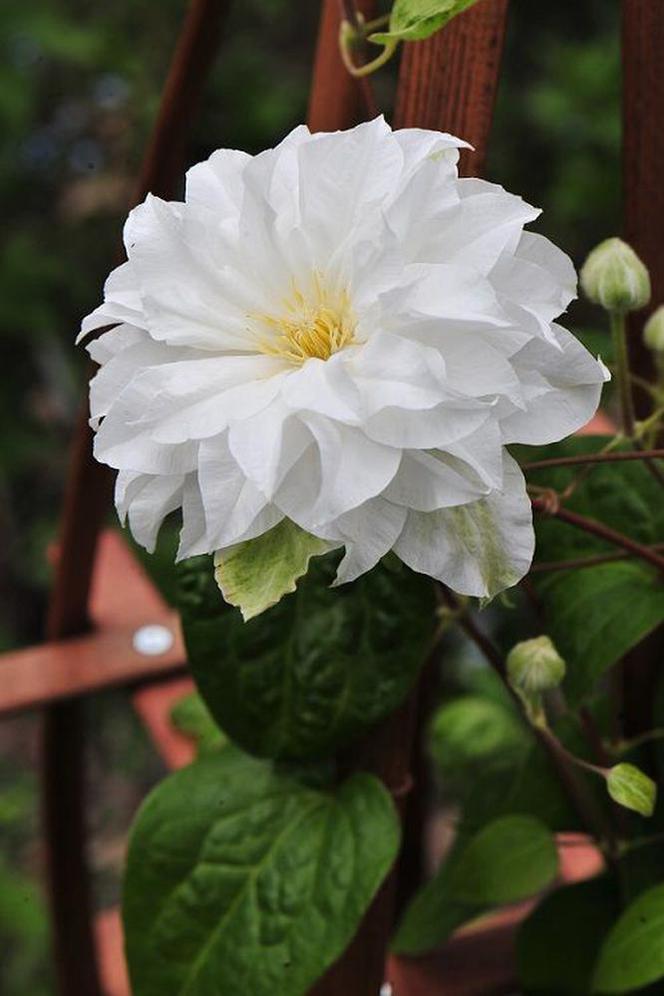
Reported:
(100, 596)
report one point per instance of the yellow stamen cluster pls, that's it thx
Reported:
(314, 324)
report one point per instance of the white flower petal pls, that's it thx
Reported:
(353, 468)
(148, 508)
(122, 302)
(562, 388)
(368, 533)
(477, 549)
(231, 501)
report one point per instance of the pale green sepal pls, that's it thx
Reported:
(256, 574)
(413, 20)
(631, 788)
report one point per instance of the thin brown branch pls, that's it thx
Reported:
(467, 624)
(572, 461)
(564, 763)
(600, 530)
(578, 563)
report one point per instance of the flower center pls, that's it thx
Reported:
(315, 323)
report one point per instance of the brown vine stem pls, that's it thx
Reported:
(572, 461)
(564, 763)
(600, 530)
(577, 563)
(348, 12)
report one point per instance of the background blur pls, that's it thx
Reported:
(79, 87)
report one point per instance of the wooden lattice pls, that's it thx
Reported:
(100, 595)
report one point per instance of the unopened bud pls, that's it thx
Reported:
(653, 332)
(614, 277)
(535, 666)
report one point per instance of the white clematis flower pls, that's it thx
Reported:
(342, 332)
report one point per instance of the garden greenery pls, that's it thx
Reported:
(321, 357)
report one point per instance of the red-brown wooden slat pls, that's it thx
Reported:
(87, 494)
(122, 599)
(643, 213)
(449, 82)
(643, 157)
(336, 100)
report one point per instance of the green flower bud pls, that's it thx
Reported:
(653, 332)
(535, 666)
(614, 277)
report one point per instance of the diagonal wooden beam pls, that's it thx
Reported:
(86, 502)
(123, 602)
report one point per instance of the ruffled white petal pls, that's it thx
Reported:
(477, 549)
(561, 387)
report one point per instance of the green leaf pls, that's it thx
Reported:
(557, 946)
(243, 881)
(510, 859)
(191, 716)
(412, 20)
(471, 732)
(596, 615)
(632, 955)
(257, 574)
(499, 767)
(318, 669)
(631, 788)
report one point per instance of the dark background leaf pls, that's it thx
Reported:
(313, 672)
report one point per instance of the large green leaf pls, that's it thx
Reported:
(254, 575)
(318, 668)
(597, 614)
(412, 20)
(557, 946)
(243, 881)
(510, 859)
(632, 955)
(513, 857)
(501, 767)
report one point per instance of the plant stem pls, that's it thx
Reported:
(351, 16)
(564, 762)
(602, 531)
(572, 461)
(580, 562)
(618, 332)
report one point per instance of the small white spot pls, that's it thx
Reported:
(152, 640)
(386, 989)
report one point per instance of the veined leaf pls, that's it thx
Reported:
(242, 881)
(413, 20)
(316, 670)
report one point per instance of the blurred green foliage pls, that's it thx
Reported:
(79, 87)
